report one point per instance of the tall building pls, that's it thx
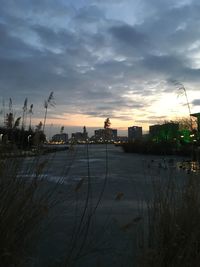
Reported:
(134, 133)
(164, 132)
(105, 134)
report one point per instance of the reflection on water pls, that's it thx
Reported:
(189, 166)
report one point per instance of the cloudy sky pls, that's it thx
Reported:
(101, 58)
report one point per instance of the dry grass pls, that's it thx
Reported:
(23, 206)
(173, 238)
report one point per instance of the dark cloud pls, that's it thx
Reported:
(12, 46)
(128, 35)
(169, 65)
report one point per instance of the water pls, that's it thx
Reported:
(104, 192)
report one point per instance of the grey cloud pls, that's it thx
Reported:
(102, 107)
(12, 46)
(100, 114)
(109, 2)
(196, 102)
(156, 117)
(109, 114)
(129, 35)
(119, 105)
(124, 117)
(173, 28)
(102, 94)
(36, 11)
(90, 60)
(149, 121)
(89, 14)
(105, 114)
(171, 67)
(51, 37)
(167, 63)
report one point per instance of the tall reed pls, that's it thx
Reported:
(173, 235)
(23, 206)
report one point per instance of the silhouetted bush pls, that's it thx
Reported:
(157, 148)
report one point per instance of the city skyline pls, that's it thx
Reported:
(116, 59)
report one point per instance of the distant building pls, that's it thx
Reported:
(80, 136)
(134, 133)
(122, 139)
(60, 138)
(164, 132)
(114, 134)
(77, 136)
(99, 134)
(105, 134)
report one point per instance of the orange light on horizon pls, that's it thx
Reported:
(84, 120)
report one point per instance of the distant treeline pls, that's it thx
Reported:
(21, 139)
(158, 148)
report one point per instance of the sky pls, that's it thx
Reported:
(121, 59)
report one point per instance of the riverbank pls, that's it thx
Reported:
(162, 148)
(19, 153)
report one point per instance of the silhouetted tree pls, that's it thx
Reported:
(107, 123)
(38, 127)
(61, 129)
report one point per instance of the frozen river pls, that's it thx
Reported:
(104, 191)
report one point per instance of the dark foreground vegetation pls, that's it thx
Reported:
(23, 207)
(160, 148)
(171, 233)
